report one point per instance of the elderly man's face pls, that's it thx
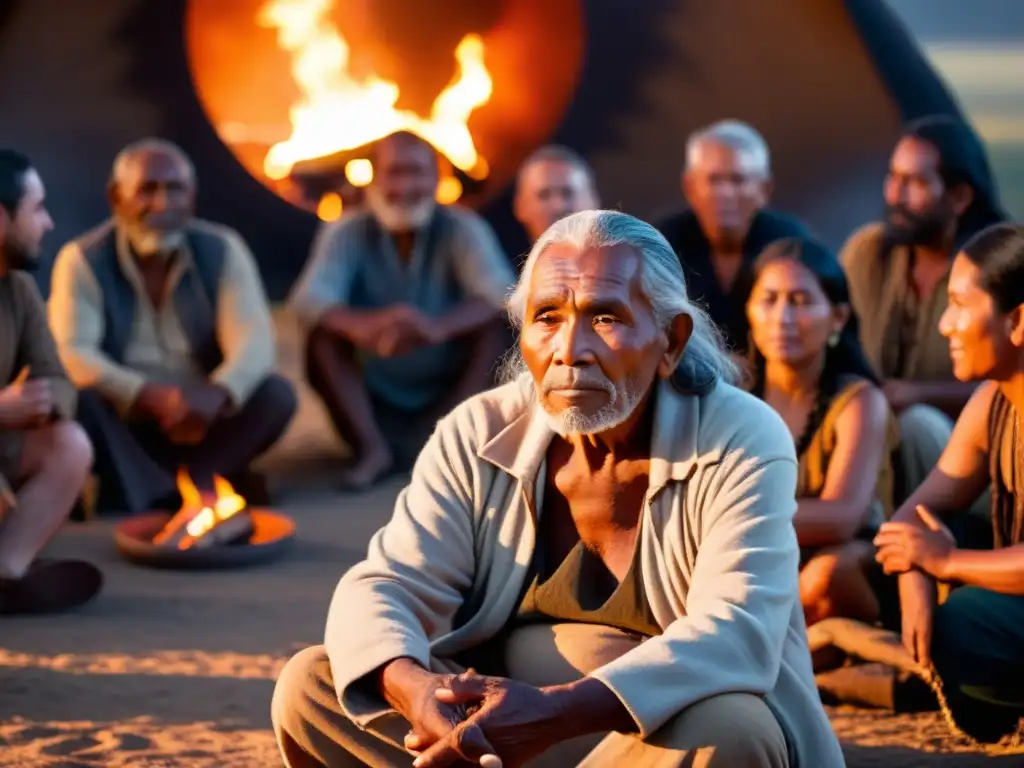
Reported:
(726, 189)
(154, 200)
(405, 176)
(590, 339)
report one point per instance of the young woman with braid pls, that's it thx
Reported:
(808, 365)
(975, 639)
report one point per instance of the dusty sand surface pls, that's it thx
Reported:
(177, 669)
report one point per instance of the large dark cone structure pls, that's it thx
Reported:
(827, 82)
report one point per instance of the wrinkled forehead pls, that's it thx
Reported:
(711, 156)
(564, 272)
(553, 173)
(405, 153)
(156, 167)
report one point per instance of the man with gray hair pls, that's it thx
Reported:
(163, 325)
(401, 305)
(611, 546)
(727, 184)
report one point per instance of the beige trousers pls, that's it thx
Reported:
(733, 730)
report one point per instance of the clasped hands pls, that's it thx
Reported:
(397, 330)
(488, 721)
(903, 547)
(184, 414)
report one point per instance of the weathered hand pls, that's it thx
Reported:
(903, 546)
(163, 403)
(431, 719)
(509, 723)
(404, 329)
(25, 404)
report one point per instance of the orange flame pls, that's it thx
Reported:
(338, 111)
(197, 515)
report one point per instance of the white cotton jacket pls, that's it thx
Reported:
(718, 553)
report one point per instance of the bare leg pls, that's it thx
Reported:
(835, 583)
(55, 462)
(335, 376)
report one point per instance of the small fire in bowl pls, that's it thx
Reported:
(206, 519)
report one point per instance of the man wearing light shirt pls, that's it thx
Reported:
(401, 304)
(162, 323)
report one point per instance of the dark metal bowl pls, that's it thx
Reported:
(134, 540)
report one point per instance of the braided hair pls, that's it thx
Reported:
(845, 358)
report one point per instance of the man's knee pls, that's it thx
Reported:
(973, 618)
(275, 400)
(296, 690)
(59, 448)
(733, 729)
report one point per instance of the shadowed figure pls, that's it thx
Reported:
(162, 323)
(727, 185)
(401, 306)
(938, 193)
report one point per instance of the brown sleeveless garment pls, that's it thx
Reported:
(1006, 472)
(571, 592)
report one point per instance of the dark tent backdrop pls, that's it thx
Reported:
(827, 82)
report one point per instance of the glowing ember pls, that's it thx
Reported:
(198, 514)
(338, 111)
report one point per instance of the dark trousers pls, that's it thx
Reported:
(978, 651)
(136, 464)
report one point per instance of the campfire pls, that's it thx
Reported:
(206, 519)
(339, 113)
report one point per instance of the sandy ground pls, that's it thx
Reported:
(177, 669)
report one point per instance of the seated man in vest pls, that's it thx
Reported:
(727, 184)
(44, 455)
(612, 547)
(402, 306)
(162, 323)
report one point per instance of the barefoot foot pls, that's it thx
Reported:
(367, 470)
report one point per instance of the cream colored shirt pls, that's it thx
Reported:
(718, 555)
(158, 349)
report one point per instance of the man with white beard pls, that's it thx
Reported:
(608, 539)
(401, 303)
(163, 325)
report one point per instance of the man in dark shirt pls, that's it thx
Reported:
(727, 183)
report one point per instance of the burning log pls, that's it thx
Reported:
(205, 520)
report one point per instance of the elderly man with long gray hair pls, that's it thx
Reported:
(593, 564)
